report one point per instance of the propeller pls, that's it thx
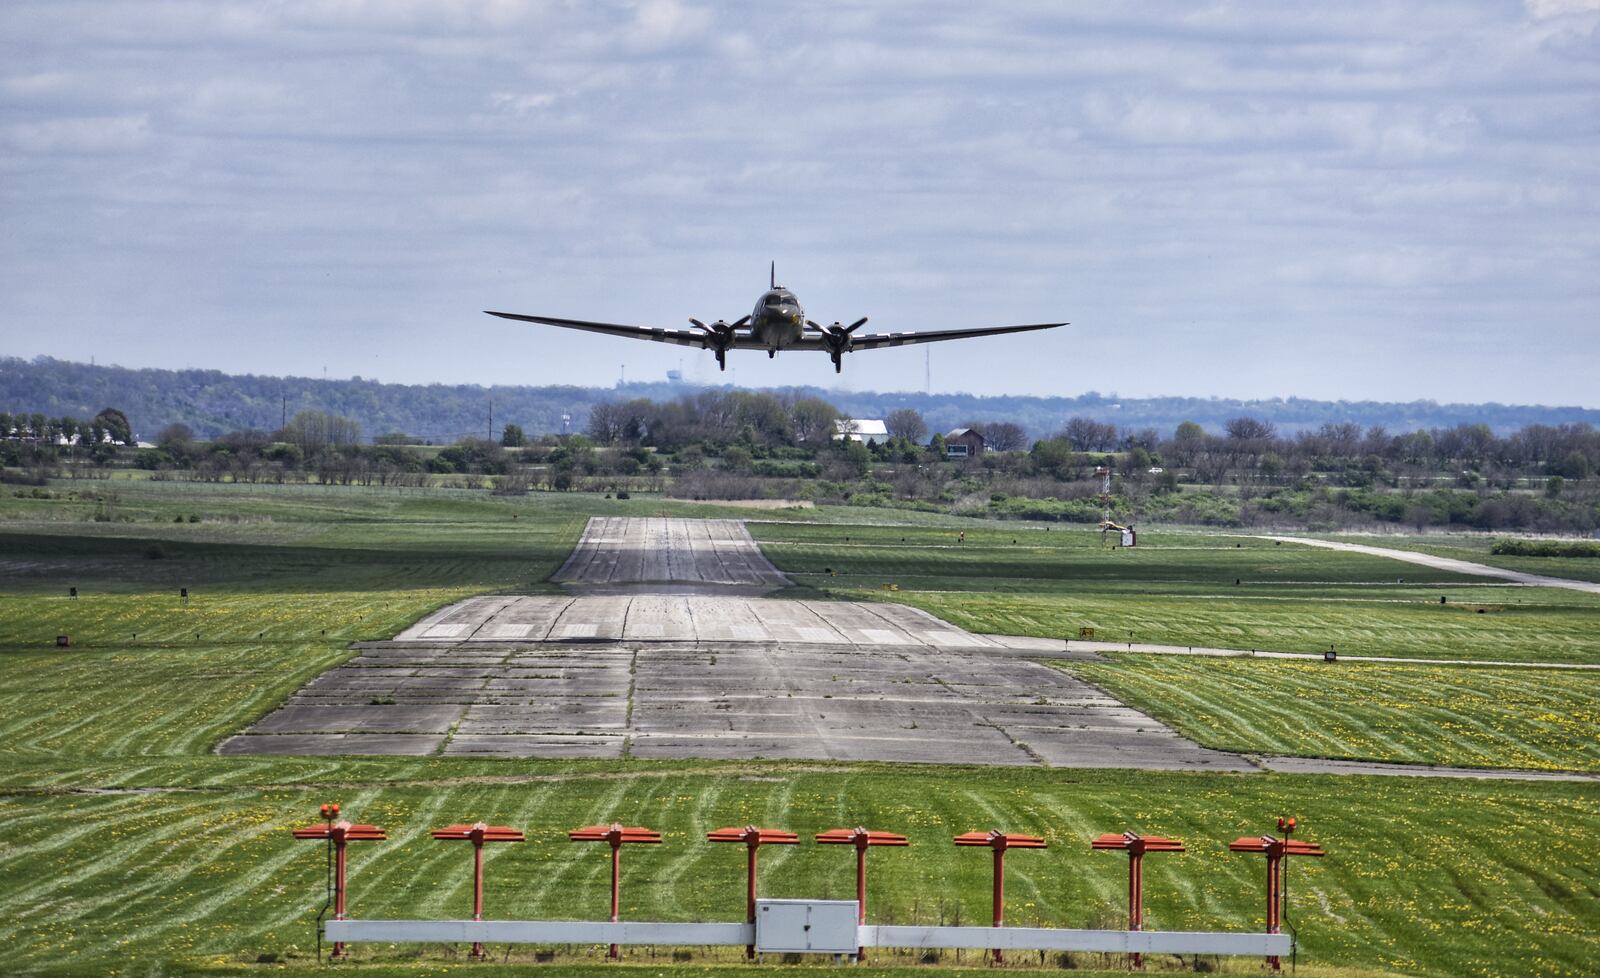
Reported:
(837, 339)
(720, 335)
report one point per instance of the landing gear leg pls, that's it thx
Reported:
(771, 354)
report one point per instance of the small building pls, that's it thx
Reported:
(963, 443)
(861, 429)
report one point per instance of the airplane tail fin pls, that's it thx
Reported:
(772, 282)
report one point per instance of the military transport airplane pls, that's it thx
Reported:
(777, 323)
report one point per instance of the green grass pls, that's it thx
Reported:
(213, 876)
(1026, 557)
(146, 701)
(126, 846)
(1178, 588)
(1523, 626)
(1476, 717)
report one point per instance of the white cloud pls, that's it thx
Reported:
(519, 103)
(36, 84)
(101, 134)
(659, 24)
(1561, 8)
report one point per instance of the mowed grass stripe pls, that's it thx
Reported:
(147, 701)
(69, 871)
(258, 893)
(251, 833)
(161, 619)
(416, 856)
(1405, 713)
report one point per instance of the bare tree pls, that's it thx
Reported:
(1004, 436)
(1251, 429)
(906, 423)
(314, 431)
(605, 423)
(1089, 435)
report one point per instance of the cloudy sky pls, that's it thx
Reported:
(1388, 201)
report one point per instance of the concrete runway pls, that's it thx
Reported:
(630, 551)
(725, 699)
(698, 618)
(665, 649)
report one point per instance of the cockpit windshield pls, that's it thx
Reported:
(777, 299)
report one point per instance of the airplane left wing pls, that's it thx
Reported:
(873, 341)
(681, 337)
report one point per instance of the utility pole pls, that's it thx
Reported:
(491, 417)
(284, 419)
(927, 370)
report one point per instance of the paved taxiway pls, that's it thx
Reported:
(1447, 564)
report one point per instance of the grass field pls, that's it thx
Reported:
(1179, 588)
(127, 847)
(212, 876)
(1477, 717)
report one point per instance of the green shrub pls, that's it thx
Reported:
(1513, 547)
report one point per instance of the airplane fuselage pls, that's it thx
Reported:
(778, 320)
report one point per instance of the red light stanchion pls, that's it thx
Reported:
(478, 833)
(1276, 851)
(616, 835)
(860, 838)
(1136, 846)
(999, 842)
(337, 833)
(753, 838)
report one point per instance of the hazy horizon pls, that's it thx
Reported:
(688, 384)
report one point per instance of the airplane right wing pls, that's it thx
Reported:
(681, 337)
(873, 341)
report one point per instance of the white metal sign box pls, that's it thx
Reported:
(807, 926)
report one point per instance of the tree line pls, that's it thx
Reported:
(212, 403)
(735, 444)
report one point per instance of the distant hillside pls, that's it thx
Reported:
(212, 402)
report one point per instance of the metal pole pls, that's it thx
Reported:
(477, 888)
(338, 888)
(753, 843)
(1136, 898)
(861, 888)
(999, 896)
(1273, 860)
(616, 886)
